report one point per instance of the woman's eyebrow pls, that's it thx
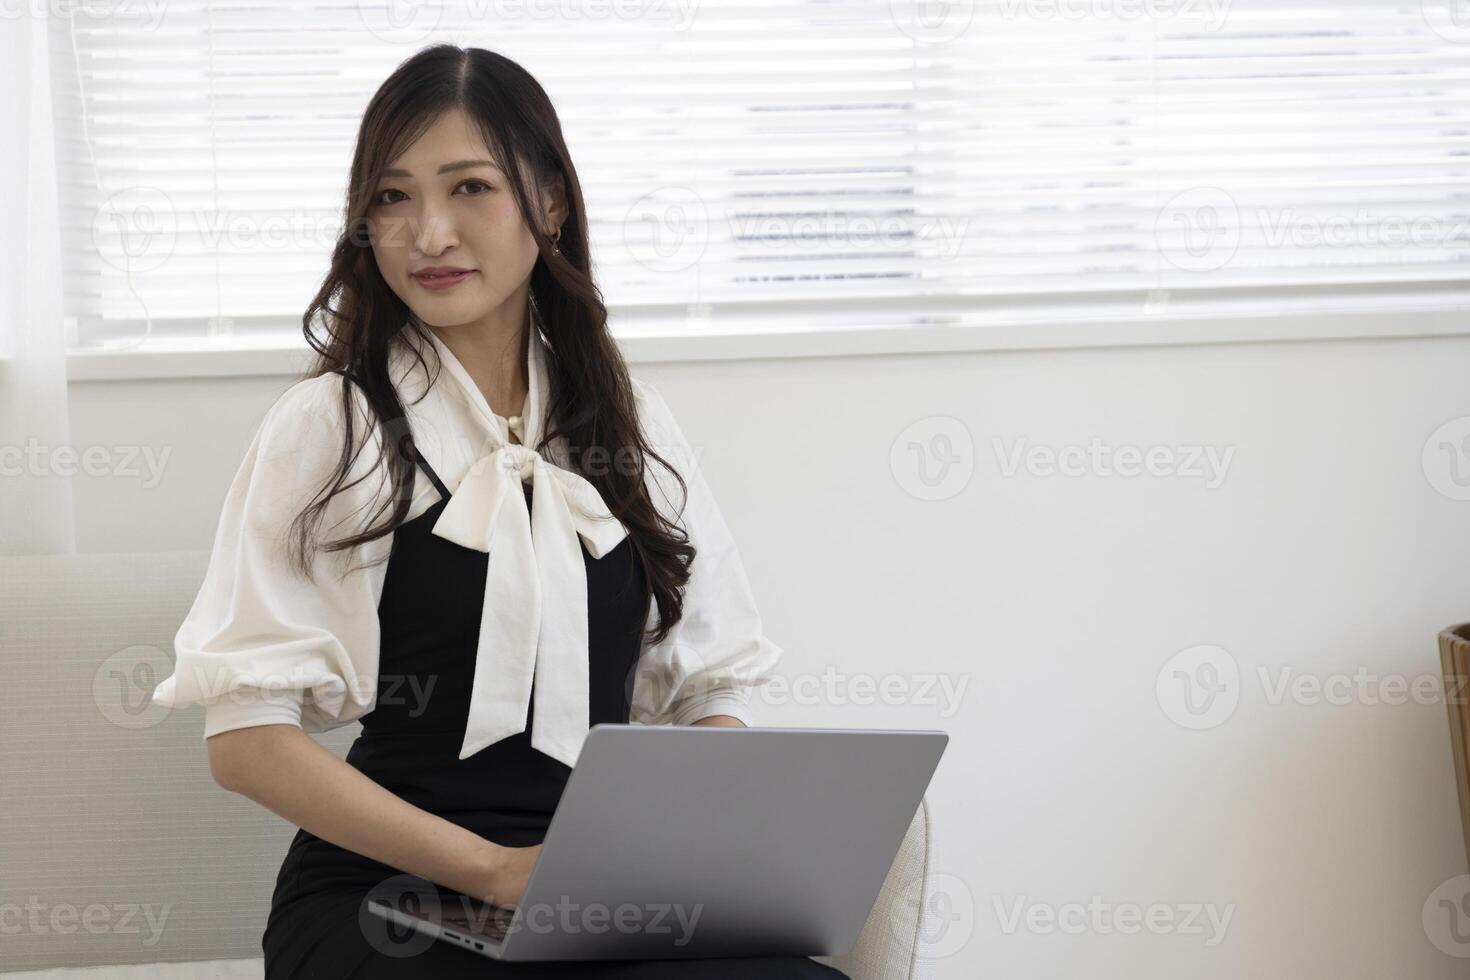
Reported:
(448, 167)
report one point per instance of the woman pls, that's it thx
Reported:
(469, 390)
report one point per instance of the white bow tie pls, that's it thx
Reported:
(534, 618)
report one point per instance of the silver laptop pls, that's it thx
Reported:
(689, 841)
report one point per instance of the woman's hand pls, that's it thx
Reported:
(505, 884)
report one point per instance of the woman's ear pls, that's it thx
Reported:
(555, 208)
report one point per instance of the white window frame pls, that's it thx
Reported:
(1136, 322)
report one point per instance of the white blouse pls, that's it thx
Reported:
(261, 645)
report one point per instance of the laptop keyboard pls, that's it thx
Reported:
(487, 921)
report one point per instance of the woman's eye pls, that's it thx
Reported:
(473, 186)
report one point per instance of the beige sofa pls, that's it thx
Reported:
(121, 857)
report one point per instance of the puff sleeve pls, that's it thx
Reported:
(262, 645)
(715, 657)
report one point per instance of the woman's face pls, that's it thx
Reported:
(444, 204)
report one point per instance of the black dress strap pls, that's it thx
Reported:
(433, 477)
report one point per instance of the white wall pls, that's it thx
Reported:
(1058, 600)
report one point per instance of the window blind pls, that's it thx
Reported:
(789, 155)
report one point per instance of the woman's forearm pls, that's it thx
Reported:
(285, 770)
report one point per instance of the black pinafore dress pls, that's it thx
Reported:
(429, 612)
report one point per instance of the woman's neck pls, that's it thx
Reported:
(495, 359)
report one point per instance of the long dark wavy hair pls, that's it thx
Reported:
(590, 399)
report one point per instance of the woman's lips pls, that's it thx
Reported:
(443, 282)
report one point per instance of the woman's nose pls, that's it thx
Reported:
(435, 233)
